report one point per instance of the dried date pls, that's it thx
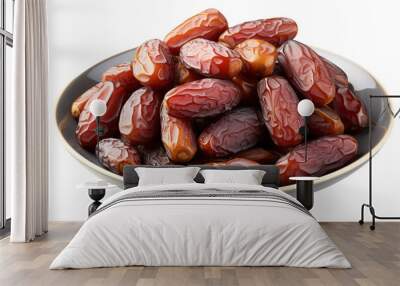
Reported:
(259, 155)
(202, 98)
(235, 162)
(208, 24)
(324, 121)
(153, 64)
(275, 31)
(278, 103)
(339, 76)
(259, 57)
(139, 122)
(235, 131)
(114, 97)
(122, 74)
(178, 137)
(211, 59)
(323, 155)
(350, 108)
(248, 87)
(307, 72)
(183, 74)
(153, 155)
(115, 154)
(79, 103)
(346, 103)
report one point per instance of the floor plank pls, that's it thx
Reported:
(375, 257)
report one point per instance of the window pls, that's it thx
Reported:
(6, 44)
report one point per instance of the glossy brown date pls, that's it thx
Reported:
(208, 24)
(183, 74)
(278, 103)
(323, 155)
(259, 57)
(211, 59)
(153, 64)
(139, 121)
(153, 155)
(80, 102)
(259, 155)
(307, 72)
(324, 121)
(350, 108)
(115, 154)
(235, 162)
(275, 31)
(248, 87)
(178, 137)
(202, 98)
(346, 103)
(235, 131)
(114, 97)
(122, 74)
(339, 76)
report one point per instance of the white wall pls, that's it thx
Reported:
(84, 32)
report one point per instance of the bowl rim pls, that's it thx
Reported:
(342, 171)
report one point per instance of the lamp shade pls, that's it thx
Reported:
(305, 107)
(98, 107)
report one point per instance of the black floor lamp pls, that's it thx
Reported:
(370, 204)
(304, 184)
(97, 108)
(305, 108)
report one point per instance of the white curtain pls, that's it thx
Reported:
(26, 127)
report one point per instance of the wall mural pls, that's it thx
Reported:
(213, 94)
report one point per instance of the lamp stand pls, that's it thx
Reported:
(370, 203)
(304, 132)
(99, 132)
(99, 129)
(305, 138)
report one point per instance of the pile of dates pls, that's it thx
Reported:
(213, 94)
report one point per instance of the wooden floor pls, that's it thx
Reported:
(375, 257)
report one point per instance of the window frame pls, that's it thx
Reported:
(6, 39)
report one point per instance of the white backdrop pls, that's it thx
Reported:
(83, 32)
